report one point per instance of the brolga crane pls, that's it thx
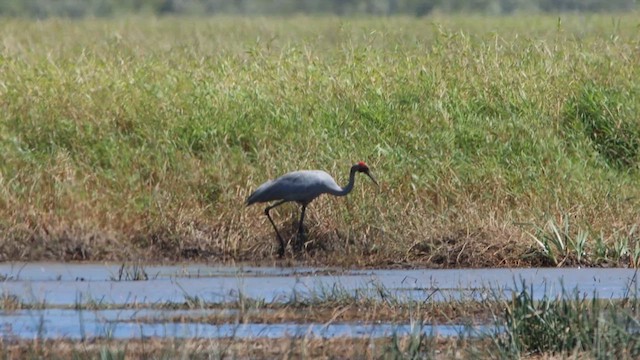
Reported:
(302, 187)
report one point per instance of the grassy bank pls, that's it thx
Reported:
(507, 141)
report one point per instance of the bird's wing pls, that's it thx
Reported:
(301, 186)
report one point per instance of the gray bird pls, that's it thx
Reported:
(302, 187)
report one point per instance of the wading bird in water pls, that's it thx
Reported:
(302, 187)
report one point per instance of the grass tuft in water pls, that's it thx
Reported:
(134, 272)
(416, 345)
(112, 354)
(571, 323)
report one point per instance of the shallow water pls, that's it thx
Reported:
(126, 324)
(68, 285)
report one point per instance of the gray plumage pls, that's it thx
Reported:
(302, 187)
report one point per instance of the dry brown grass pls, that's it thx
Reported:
(367, 312)
(257, 349)
(228, 349)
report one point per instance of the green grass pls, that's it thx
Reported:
(571, 323)
(140, 137)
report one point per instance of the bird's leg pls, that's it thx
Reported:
(301, 228)
(266, 212)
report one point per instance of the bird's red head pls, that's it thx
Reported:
(362, 166)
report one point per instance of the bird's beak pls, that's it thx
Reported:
(371, 176)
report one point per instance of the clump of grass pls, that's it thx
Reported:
(107, 353)
(561, 243)
(572, 323)
(134, 272)
(10, 302)
(415, 346)
(607, 117)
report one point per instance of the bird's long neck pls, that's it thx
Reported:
(347, 189)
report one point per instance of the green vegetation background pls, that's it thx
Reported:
(499, 141)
